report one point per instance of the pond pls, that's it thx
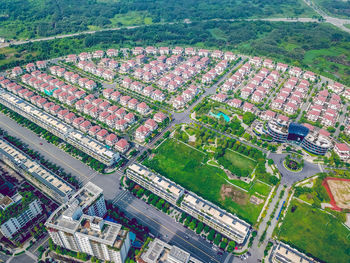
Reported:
(218, 115)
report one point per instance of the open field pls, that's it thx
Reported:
(318, 233)
(187, 167)
(131, 18)
(339, 192)
(245, 164)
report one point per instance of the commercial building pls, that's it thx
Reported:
(78, 225)
(158, 251)
(294, 133)
(37, 174)
(210, 214)
(26, 208)
(59, 128)
(282, 253)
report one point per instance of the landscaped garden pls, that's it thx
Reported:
(315, 232)
(293, 164)
(187, 167)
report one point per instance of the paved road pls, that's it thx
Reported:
(338, 22)
(170, 231)
(288, 177)
(50, 151)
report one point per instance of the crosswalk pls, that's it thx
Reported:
(119, 197)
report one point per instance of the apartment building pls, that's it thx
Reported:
(158, 251)
(26, 210)
(37, 174)
(78, 225)
(59, 128)
(282, 253)
(215, 217)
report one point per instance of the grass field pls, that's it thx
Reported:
(131, 19)
(315, 232)
(187, 167)
(239, 160)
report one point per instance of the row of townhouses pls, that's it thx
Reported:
(210, 214)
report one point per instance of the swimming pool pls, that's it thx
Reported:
(218, 115)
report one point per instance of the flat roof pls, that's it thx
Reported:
(216, 213)
(35, 168)
(286, 254)
(158, 180)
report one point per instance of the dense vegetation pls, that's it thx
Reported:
(319, 47)
(35, 18)
(340, 8)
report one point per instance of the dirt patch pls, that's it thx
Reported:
(339, 192)
(256, 200)
(236, 195)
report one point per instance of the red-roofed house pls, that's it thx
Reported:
(111, 139)
(142, 133)
(78, 121)
(220, 97)
(101, 134)
(159, 117)
(94, 130)
(142, 108)
(122, 145)
(130, 117)
(121, 125)
(313, 115)
(248, 107)
(336, 87)
(85, 126)
(235, 103)
(290, 108)
(151, 124)
(268, 115)
(132, 103)
(110, 121)
(343, 150)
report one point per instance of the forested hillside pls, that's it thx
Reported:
(21, 19)
(319, 47)
(339, 8)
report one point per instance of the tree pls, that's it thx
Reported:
(211, 235)
(217, 239)
(248, 118)
(200, 227)
(231, 246)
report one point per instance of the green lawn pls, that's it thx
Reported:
(239, 160)
(237, 163)
(187, 167)
(313, 231)
(131, 18)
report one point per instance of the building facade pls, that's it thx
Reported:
(78, 225)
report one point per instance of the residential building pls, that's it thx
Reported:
(283, 253)
(34, 172)
(78, 225)
(223, 222)
(343, 150)
(63, 130)
(158, 251)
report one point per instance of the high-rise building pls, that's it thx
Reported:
(79, 226)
